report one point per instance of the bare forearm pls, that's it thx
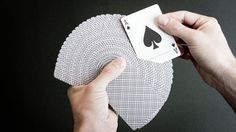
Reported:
(229, 89)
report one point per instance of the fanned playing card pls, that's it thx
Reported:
(139, 92)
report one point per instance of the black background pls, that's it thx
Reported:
(37, 102)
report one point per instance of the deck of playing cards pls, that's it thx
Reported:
(148, 40)
(139, 93)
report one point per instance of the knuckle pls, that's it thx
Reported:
(213, 22)
(174, 27)
(184, 11)
(213, 19)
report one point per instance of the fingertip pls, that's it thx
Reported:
(121, 61)
(114, 68)
(110, 72)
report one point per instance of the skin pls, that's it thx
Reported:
(90, 102)
(205, 46)
(208, 48)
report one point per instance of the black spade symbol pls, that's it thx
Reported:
(151, 38)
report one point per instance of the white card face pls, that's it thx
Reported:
(148, 40)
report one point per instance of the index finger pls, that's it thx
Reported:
(189, 18)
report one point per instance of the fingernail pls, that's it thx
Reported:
(121, 61)
(163, 20)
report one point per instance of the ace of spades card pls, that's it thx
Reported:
(148, 40)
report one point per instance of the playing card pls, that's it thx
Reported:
(148, 40)
(168, 55)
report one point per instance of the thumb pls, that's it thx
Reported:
(109, 73)
(175, 28)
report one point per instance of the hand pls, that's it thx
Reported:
(206, 42)
(90, 102)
